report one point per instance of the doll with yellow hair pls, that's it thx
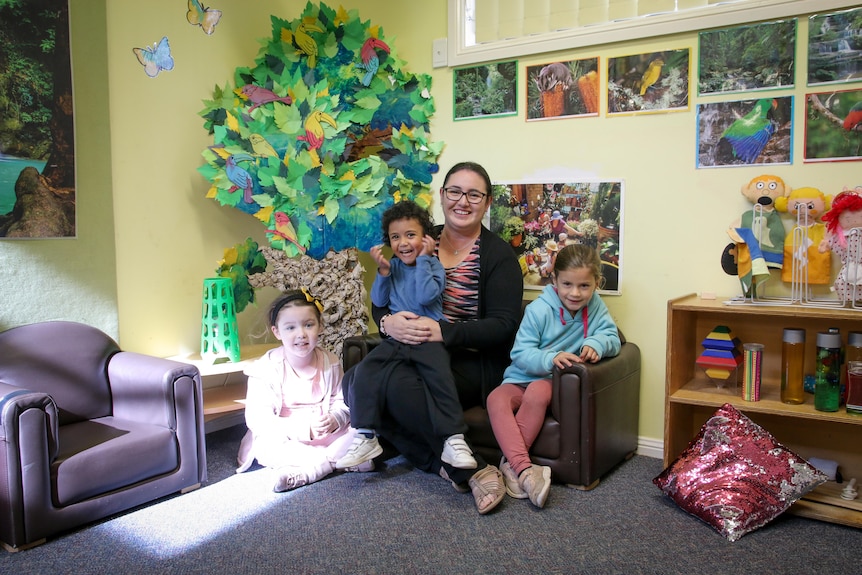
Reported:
(808, 206)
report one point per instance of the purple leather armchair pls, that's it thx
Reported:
(88, 430)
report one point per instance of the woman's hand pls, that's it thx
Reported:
(565, 359)
(409, 328)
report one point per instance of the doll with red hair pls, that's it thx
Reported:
(844, 238)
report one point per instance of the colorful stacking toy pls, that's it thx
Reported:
(721, 356)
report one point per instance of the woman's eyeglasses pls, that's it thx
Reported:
(455, 194)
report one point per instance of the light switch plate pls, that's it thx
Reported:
(438, 54)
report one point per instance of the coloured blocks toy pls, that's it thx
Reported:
(721, 356)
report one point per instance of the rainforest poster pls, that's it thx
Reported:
(486, 90)
(752, 57)
(37, 153)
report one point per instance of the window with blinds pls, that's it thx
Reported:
(484, 30)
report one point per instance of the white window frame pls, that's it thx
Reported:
(713, 16)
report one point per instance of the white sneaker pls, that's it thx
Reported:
(513, 488)
(361, 450)
(457, 453)
(536, 482)
(363, 467)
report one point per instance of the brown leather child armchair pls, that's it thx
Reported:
(591, 425)
(88, 430)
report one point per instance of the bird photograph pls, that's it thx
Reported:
(745, 132)
(654, 81)
(833, 127)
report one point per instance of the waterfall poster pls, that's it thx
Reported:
(835, 47)
(37, 144)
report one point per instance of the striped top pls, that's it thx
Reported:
(461, 295)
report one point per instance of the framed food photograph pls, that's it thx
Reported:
(745, 132)
(835, 47)
(540, 218)
(745, 58)
(565, 89)
(649, 82)
(486, 91)
(833, 126)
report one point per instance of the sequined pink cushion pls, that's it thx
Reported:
(735, 476)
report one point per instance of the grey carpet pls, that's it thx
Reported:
(402, 521)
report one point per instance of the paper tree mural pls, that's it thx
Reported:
(322, 134)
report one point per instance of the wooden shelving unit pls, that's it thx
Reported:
(691, 397)
(224, 385)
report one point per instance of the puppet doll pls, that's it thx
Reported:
(758, 235)
(805, 262)
(844, 238)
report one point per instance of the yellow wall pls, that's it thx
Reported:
(73, 279)
(169, 237)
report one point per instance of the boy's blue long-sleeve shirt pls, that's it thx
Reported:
(417, 288)
(549, 328)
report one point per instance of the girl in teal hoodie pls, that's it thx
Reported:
(568, 323)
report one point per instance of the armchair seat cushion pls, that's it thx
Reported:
(107, 453)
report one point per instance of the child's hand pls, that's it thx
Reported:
(565, 359)
(383, 265)
(323, 426)
(589, 354)
(428, 246)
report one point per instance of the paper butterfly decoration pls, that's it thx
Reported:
(155, 59)
(203, 16)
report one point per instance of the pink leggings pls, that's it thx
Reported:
(517, 415)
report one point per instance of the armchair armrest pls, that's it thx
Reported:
(143, 387)
(593, 377)
(356, 347)
(14, 403)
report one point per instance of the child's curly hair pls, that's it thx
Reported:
(407, 210)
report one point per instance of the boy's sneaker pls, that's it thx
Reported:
(536, 482)
(361, 450)
(457, 453)
(513, 488)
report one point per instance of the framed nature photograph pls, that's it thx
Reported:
(540, 218)
(745, 132)
(563, 89)
(651, 82)
(835, 47)
(833, 126)
(37, 127)
(486, 91)
(744, 58)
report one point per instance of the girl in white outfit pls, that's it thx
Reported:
(298, 423)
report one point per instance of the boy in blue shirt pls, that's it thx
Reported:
(413, 280)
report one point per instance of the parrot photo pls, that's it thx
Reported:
(239, 177)
(651, 75)
(746, 137)
(370, 60)
(259, 96)
(853, 121)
